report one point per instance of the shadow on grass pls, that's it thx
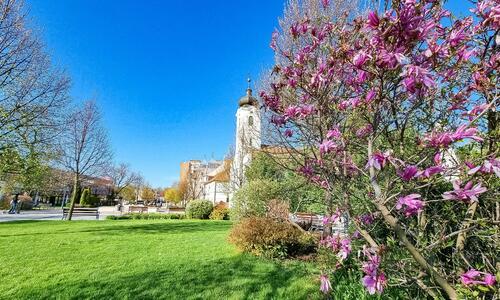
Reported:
(174, 227)
(237, 277)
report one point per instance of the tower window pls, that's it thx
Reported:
(250, 120)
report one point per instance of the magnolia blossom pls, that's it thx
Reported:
(364, 131)
(429, 172)
(360, 58)
(373, 20)
(489, 166)
(375, 283)
(374, 280)
(444, 139)
(416, 79)
(327, 146)
(325, 286)
(333, 133)
(408, 173)
(466, 194)
(378, 160)
(412, 204)
(471, 277)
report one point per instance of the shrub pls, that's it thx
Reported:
(220, 213)
(268, 237)
(87, 199)
(122, 217)
(155, 216)
(199, 209)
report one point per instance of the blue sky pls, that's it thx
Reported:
(167, 75)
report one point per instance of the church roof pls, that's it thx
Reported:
(248, 99)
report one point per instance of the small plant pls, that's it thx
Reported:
(220, 213)
(272, 238)
(199, 209)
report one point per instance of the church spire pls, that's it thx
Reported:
(248, 99)
(249, 89)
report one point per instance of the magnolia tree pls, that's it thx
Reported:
(394, 114)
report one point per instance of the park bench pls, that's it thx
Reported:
(82, 211)
(308, 221)
(137, 208)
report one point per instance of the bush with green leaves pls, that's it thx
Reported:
(266, 181)
(199, 209)
(220, 213)
(87, 199)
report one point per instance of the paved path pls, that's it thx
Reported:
(52, 214)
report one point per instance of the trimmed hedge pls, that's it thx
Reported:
(137, 216)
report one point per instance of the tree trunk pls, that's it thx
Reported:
(401, 234)
(76, 187)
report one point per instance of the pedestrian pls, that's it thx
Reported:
(13, 204)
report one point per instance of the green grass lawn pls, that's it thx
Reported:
(140, 259)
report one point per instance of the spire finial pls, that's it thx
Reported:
(249, 89)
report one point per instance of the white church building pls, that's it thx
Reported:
(217, 181)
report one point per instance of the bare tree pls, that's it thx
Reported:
(84, 148)
(33, 94)
(122, 177)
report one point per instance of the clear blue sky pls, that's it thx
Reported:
(167, 75)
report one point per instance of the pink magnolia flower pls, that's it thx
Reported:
(306, 110)
(364, 131)
(471, 277)
(429, 172)
(416, 79)
(408, 173)
(360, 58)
(444, 139)
(367, 219)
(373, 20)
(327, 146)
(325, 286)
(292, 112)
(345, 248)
(488, 167)
(325, 3)
(378, 160)
(370, 96)
(333, 133)
(278, 120)
(489, 279)
(375, 283)
(412, 204)
(288, 133)
(466, 194)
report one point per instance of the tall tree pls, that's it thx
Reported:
(84, 147)
(33, 93)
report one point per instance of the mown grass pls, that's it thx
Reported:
(145, 259)
(139, 259)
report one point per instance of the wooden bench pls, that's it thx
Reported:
(312, 222)
(82, 211)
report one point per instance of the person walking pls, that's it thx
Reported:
(13, 204)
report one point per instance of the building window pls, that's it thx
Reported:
(250, 120)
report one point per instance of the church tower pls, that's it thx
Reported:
(248, 136)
